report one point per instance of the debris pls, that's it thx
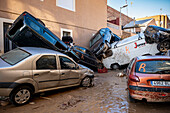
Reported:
(42, 94)
(120, 75)
(46, 98)
(4, 103)
(71, 102)
(104, 70)
(32, 103)
(116, 84)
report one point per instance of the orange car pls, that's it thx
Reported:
(149, 79)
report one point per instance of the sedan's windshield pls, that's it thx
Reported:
(14, 56)
(153, 67)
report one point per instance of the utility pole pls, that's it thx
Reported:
(120, 22)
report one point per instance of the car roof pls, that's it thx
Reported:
(159, 28)
(38, 50)
(152, 57)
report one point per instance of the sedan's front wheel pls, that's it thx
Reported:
(21, 95)
(87, 82)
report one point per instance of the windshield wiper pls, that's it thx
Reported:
(163, 72)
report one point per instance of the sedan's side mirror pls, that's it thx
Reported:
(77, 67)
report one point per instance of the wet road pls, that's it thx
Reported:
(109, 95)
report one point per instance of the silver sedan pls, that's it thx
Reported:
(28, 70)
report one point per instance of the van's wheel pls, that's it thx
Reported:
(21, 95)
(115, 66)
(163, 46)
(87, 82)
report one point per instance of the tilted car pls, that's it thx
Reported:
(28, 31)
(87, 58)
(101, 42)
(159, 35)
(28, 70)
(149, 79)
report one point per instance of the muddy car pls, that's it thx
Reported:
(149, 79)
(28, 31)
(87, 58)
(101, 43)
(28, 70)
(159, 35)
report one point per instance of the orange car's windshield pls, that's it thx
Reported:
(153, 67)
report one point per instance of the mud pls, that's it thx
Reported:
(109, 95)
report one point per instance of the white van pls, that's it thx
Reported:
(127, 49)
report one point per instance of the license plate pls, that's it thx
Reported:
(160, 83)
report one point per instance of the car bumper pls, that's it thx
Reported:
(5, 91)
(7, 87)
(102, 49)
(150, 94)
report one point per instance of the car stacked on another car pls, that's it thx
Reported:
(28, 31)
(101, 43)
(159, 35)
(149, 79)
(28, 70)
(87, 58)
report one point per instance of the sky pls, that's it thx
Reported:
(141, 8)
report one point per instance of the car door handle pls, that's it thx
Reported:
(62, 73)
(36, 74)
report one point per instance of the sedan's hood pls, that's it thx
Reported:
(86, 69)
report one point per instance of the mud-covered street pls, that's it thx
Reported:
(109, 95)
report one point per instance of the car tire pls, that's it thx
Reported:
(115, 66)
(87, 82)
(109, 53)
(21, 95)
(163, 46)
(130, 99)
(149, 40)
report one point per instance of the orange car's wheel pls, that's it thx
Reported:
(130, 99)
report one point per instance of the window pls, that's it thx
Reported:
(66, 4)
(95, 39)
(66, 32)
(67, 63)
(46, 62)
(14, 56)
(5, 44)
(153, 67)
(131, 64)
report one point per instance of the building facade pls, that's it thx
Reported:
(77, 18)
(113, 19)
(161, 20)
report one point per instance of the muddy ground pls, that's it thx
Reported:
(109, 95)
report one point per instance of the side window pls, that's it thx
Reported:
(46, 62)
(66, 63)
(131, 64)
